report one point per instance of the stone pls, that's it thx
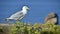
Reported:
(5, 28)
(52, 18)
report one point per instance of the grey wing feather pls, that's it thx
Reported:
(21, 17)
(17, 15)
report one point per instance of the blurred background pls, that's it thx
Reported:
(39, 9)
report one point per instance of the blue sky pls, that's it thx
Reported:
(39, 9)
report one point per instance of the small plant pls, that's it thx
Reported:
(26, 28)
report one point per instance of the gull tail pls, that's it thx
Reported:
(6, 19)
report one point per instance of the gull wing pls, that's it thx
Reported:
(21, 17)
(17, 15)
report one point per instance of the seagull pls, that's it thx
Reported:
(19, 15)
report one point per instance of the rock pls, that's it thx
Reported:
(5, 28)
(52, 18)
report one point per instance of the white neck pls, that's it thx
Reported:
(24, 11)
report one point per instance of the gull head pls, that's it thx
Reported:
(26, 8)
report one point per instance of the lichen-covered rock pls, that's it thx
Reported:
(52, 18)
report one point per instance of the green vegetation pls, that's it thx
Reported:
(26, 28)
